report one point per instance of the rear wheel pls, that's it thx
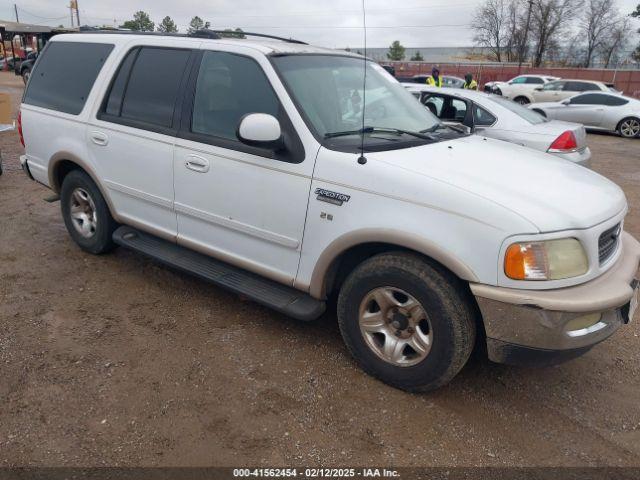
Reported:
(541, 112)
(25, 75)
(522, 100)
(86, 213)
(406, 322)
(629, 127)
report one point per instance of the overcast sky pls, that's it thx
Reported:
(330, 23)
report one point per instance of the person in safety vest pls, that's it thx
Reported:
(435, 80)
(469, 82)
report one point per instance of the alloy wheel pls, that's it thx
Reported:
(83, 213)
(630, 128)
(395, 326)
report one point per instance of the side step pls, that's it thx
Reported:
(287, 300)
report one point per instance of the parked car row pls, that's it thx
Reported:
(525, 89)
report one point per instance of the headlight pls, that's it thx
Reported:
(548, 260)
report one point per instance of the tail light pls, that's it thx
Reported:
(566, 142)
(20, 128)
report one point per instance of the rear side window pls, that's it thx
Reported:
(64, 75)
(535, 80)
(146, 87)
(581, 87)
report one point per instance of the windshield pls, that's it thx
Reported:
(329, 91)
(530, 116)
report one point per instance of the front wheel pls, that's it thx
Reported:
(86, 214)
(522, 100)
(629, 127)
(406, 322)
(25, 76)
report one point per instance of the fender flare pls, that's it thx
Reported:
(417, 243)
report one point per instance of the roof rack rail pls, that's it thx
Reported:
(202, 33)
(236, 34)
(107, 31)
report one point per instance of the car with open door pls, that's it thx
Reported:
(303, 177)
(600, 111)
(496, 117)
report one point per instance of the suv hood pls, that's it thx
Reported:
(553, 194)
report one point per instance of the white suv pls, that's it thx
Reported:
(246, 163)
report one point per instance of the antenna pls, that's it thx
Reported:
(362, 159)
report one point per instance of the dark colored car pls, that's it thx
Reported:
(24, 67)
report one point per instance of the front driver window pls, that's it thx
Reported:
(589, 99)
(229, 87)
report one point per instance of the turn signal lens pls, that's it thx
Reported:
(550, 260)
(566, 142)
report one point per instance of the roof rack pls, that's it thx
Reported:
(236, 34)
(202, 33)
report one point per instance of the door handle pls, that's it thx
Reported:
(99, 138)
(197, 164)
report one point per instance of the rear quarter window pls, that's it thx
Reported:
(64, 75)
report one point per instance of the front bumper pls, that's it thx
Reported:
(538, 326)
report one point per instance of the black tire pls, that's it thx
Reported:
(627, 126)
(497, 91)
(99, 239)
(444, 298)
(522, 100)
(25, 75)
(541, 112)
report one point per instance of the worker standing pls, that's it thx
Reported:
(469, 82)
(435, 80)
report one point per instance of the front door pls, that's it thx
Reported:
(587, 109)
(242, 204)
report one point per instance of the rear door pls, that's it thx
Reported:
(243, 204)
(131, 136)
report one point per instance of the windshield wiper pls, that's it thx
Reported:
(361, 131)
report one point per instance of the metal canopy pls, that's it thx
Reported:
(21, 28)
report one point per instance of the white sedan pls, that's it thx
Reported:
(496, 117)
(609, 112)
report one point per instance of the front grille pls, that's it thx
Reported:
(608, 242)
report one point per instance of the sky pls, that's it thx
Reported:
(328, 23)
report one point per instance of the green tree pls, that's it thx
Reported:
(141, 22)
(196, 24)
(396, 51)
(167, 25)
(417, 57)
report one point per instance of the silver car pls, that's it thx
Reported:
(497, 117)
(604, 111)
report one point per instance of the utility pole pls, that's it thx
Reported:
(525, 37)
(71, 12)
(77, 12)
(15, 7)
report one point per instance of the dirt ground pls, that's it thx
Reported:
(114, 360)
